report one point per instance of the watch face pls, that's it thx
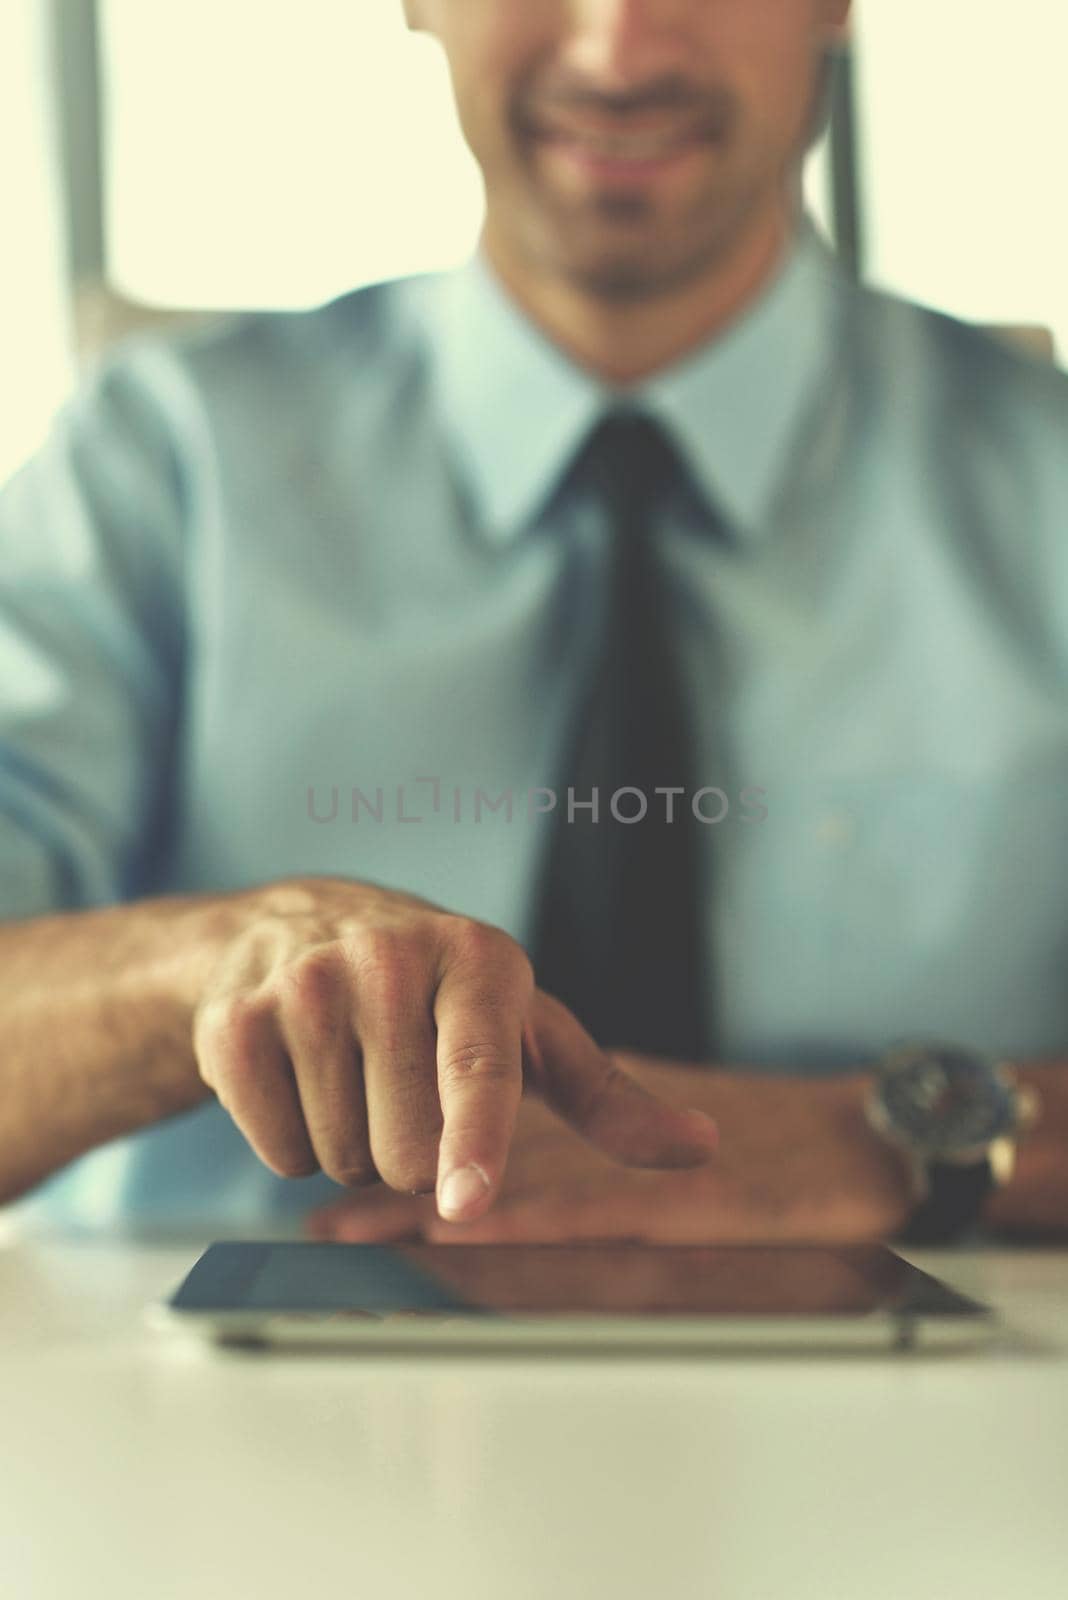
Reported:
(940, 1099)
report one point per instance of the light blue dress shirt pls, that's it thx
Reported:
(265, 566)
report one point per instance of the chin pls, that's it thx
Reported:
(631, 253)
(621, 281)
(631, 275)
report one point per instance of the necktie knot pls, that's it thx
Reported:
(630, 462)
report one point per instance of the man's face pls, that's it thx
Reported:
(626, 145)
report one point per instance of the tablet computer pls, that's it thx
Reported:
(606, 1295)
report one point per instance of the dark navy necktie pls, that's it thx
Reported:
(617, 934)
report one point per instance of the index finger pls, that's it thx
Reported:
(480, 1009)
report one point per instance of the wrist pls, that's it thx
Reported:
(1034, 1201)
(802, 1145)
(197, 932)
(885, 1176)
(954, 1114)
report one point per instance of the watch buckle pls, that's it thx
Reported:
(1002, 1158)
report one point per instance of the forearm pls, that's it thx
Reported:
(95, 1026)
(801, 1136)
(797, 1158)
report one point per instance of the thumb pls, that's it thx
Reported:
(610, 1109)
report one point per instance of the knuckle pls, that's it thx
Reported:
(293, 1166)
(386, 963)
(490, 954)
(372, 945)
(313, 1009)
(310, 981)
(487, 1012)
(232, 1026)
(483, 1062)
(478, 942)
(408, 1171)
(339, 1137)
(352, 1172)
(524, 967)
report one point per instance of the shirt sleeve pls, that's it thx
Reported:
(91, 644)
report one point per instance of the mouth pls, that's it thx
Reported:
(615, 154)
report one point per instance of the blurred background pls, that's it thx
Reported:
(171, 159)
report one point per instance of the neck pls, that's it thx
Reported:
(626, 340)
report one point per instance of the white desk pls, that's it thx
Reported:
(137, 1469)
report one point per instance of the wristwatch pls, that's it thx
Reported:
(956, 1114)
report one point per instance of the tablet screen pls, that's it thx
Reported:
(562, 1281)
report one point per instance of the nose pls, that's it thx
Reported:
(623, 43)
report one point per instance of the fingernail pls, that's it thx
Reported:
(461, 1189)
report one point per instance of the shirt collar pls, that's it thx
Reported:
(516, 408)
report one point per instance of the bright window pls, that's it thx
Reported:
(36, 368)
(277, 155)
(963, 131)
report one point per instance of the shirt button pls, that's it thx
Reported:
(836, 828)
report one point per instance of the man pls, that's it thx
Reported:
(342, 556)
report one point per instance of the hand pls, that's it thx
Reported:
(375, 1035)
(797, 1164)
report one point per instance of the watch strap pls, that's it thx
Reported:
(953, 1203)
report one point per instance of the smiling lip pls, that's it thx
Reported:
(617, 154)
